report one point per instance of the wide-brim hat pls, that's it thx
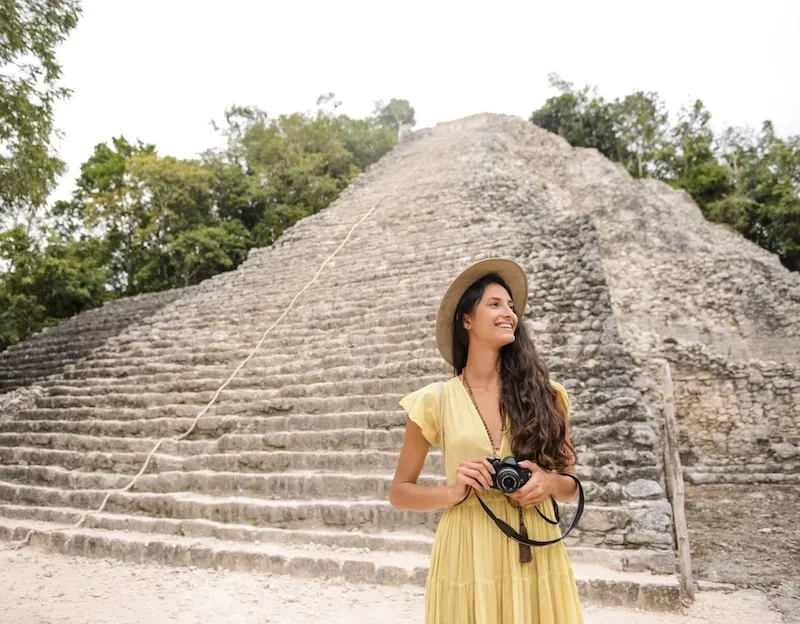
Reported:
(511, 273)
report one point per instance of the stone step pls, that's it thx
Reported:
(261, 462)
(314, 357)
(256, 402)
(93, 423)
(416, 356)
(375, 566)
(596, 583)
(208, 441)
(318, 441)
(388, 306)
(15, 379)
(246, 388)
(364, 514)
(257, 410)
(218, 352)
(356, 541)
(280, 485)
(599, 467)
(386, 310)
(339, 366)
(639, 560)
(307, 484)
(281, 338)
(369, 515)
(774, 473)
(289, 374)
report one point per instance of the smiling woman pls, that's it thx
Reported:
(501, 403)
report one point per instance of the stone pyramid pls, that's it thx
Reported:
(289, 466)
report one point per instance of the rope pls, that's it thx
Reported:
(19, 544)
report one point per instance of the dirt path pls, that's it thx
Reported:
(749, 536)
(44, 588)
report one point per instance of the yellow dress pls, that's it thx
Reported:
(475, 575)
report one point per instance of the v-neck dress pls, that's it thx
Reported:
(475, 575)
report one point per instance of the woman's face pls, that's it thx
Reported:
(493, 321)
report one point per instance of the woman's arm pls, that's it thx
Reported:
(405, 493)
(564, 489)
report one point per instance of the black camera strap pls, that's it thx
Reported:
(505, 528)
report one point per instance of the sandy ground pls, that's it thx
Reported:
(748, 536)
(45, 588)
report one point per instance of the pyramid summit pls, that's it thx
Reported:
(288, 469)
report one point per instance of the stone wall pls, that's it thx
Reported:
(739, 422)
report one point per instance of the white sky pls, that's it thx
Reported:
(160, 70)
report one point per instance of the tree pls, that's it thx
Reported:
(275, 171)
(43, 286)
(764, 206)
(582, 120)
(197, 254)
(690, 160)
(641, 124)
(111, 206)
(749, 182)
(397, 114)
(30, 31)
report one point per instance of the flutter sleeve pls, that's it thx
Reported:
(422, 407)
(563, 397)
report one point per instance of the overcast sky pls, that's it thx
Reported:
(160, 70)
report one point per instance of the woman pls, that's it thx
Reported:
(500, 403)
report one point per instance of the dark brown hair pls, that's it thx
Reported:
(536, 420)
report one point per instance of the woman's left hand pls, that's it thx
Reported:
(537, 489)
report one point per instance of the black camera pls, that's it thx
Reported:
(508, 475)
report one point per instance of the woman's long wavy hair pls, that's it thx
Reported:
(529, 404)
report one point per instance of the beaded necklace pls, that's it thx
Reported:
(495, 449)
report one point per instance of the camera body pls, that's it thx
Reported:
(508, 475)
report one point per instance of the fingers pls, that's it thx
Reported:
(464, 479)
(526, 502)
(478, 475)
(479, 471)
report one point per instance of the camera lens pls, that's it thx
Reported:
(507, 480)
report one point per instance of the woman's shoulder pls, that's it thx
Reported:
(422, 394)
(562, 392)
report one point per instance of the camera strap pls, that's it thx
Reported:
(503, 526)
(511, 533)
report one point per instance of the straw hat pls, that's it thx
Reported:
(511, 272)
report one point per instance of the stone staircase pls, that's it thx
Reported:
(49, 351)
(288, 470)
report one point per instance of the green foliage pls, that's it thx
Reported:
(640, 123)
(764, 205)
(30, 31)
(198, 253)
(141, 222)
(582, 118)
(750, 183)
(396, 114)
(42, 286)
(274, 172)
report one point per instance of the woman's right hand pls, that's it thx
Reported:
(472, 473)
